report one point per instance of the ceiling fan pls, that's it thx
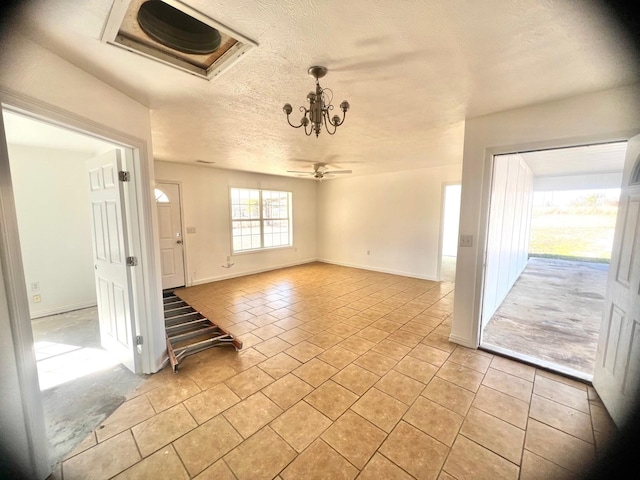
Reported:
(319, 171)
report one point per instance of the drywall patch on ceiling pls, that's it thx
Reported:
(123, 30)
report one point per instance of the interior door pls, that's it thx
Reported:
(110, 252)
(171, 242)
(617, 370)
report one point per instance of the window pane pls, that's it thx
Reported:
(254, 209)
(258, 225)
(161, 197)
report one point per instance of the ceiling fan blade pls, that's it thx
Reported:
(333, 172)
(298, 171)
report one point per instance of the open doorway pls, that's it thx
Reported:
(551, 224)
(80, 382)
(450, 223)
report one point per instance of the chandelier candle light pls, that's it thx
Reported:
(319, 108)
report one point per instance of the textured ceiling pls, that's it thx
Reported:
(411, 70)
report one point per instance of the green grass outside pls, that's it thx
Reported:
(558, 233)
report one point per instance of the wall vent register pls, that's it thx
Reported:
(175, 34)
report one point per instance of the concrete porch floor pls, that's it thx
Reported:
(81, 384)
(552, 315)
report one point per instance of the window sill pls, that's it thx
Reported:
(262, 250)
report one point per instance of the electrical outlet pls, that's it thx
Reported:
(36, 299)
(466, 241)
(35, 286)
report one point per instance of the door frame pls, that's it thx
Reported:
(183, 228)
(140, 217)
(483, 233)
(146, 285)
(443, 205)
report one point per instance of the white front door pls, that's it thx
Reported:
(110, 252)
(617, 369)
(171, 241)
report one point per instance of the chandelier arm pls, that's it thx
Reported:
(327, 117)
(303, 110)
(327, 122)
(308, 132)
(294, 126)
(344, 115)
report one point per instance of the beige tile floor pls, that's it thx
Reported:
(344, 373)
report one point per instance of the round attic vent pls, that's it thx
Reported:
(175, 29)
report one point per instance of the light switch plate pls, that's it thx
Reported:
(466, 240)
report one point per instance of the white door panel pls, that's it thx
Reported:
(170, 234)
(617, 368)
(113, 276)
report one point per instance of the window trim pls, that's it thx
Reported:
(261, 220)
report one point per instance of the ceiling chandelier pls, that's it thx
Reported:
(319, 109)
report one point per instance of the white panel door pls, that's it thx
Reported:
(170, 233)
(617, 370)
(110, 251)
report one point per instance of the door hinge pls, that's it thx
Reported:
(139, 340)
(124, 176)
(132, 261)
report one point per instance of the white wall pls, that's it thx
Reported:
(205, 196)
(508, 230)
(52, 204)
(394, 216)
(602, 116)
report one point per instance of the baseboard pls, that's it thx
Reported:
(62, 309)
(250, 272)
(380, 270)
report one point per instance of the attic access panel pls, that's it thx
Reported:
(125, 31)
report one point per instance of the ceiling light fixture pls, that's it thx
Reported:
(319, 108)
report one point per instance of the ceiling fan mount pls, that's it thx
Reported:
(319, 171)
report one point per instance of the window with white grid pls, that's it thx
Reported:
(260, 219)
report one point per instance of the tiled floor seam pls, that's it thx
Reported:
(177, 455)
(492, 451)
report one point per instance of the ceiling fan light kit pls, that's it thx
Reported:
(319, 111)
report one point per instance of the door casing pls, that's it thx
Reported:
(145, 284)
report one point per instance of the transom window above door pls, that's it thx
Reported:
(161, 197)
(260, 219)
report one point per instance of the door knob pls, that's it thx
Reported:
(179, 242)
